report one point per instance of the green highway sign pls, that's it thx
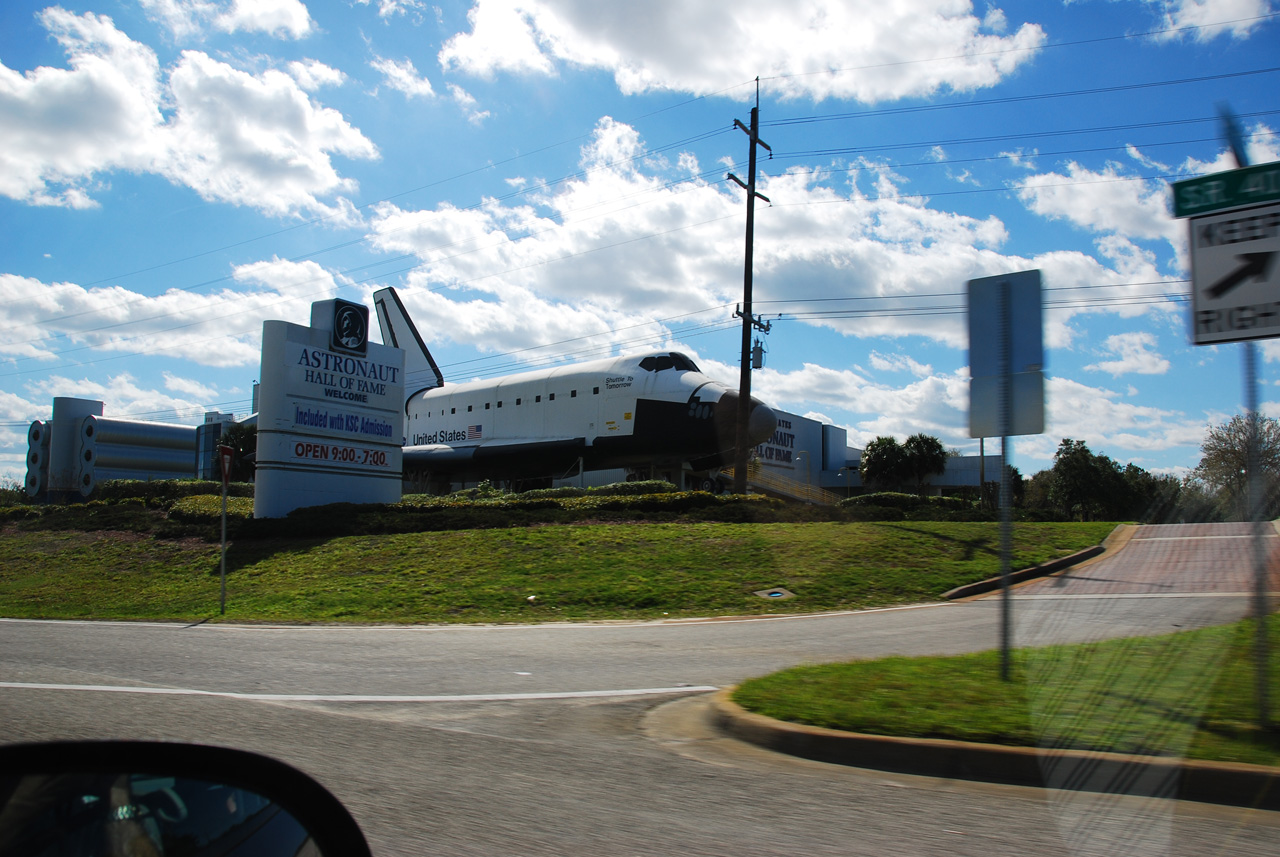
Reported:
(1232, 189)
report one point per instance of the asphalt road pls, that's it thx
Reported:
(586, 739)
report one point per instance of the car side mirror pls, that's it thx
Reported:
(153, 799)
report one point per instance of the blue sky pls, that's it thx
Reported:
(545, 180)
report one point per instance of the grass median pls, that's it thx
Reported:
(1189, 695)
(573, 572)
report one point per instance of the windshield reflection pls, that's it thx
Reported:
(138, 815)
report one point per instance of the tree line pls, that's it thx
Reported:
(1087, 486)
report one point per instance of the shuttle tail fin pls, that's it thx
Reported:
(420, 369)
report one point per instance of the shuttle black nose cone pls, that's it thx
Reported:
(761, 423)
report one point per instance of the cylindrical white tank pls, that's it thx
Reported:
(125, 449)
(142, 459)
(64, 441)
(37, 458)
(135, 433)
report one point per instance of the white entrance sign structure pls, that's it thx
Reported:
(330, 413)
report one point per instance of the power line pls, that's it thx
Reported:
(783, 155)
(578, 254)
(586, 350)
(417, 265)
(1005, 138)
(1013, 99)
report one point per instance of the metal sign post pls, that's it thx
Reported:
(1234, 220)
(1006, 394)
(225, 455)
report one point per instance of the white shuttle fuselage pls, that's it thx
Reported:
(649, 408)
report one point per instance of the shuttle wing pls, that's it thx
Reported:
(514, 455)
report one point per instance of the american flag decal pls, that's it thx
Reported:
(474, 433)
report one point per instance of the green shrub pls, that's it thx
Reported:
(883, 499)
(163, 493)
(204, 507)
(19, 512)
(893, 506)
(634, 489)
(562, 491)
(951, 504)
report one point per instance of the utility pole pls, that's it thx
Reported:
(749, 321)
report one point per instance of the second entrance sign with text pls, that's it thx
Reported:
(330, 413)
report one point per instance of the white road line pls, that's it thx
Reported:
(1119, 595)
(543, 626)
(1271, 535)
(320, 697)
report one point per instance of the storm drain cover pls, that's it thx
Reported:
(775, 594)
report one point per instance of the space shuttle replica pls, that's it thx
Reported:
(646, 409)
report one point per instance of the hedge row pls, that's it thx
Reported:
(164, 493)
(188, 508)
(907, 502)
(421, 513)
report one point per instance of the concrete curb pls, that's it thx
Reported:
(1254, 786)
(1118, 538)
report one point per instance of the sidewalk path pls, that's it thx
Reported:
(1170, 559)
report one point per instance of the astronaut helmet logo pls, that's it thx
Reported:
(350, 327)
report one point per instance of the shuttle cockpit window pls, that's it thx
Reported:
(674, 360)
(682, 363)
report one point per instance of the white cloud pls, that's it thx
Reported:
(63, 321)
(389, 8)
(884, 51)
(935, 404)
(1103, 418)
(1146, 161)
(467, 102)
(189, 387)
(1134, 354)
(501, 39)
(184, 18)
(633, 239)
(1237, 18)
(255, 140)
(401, 76)
(899, 363)
(189, 18)
(60, 126)
(121, 396)
(280, 18)
(1262, 146)
(1107, 201)
(995, 21)
(313, 74)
